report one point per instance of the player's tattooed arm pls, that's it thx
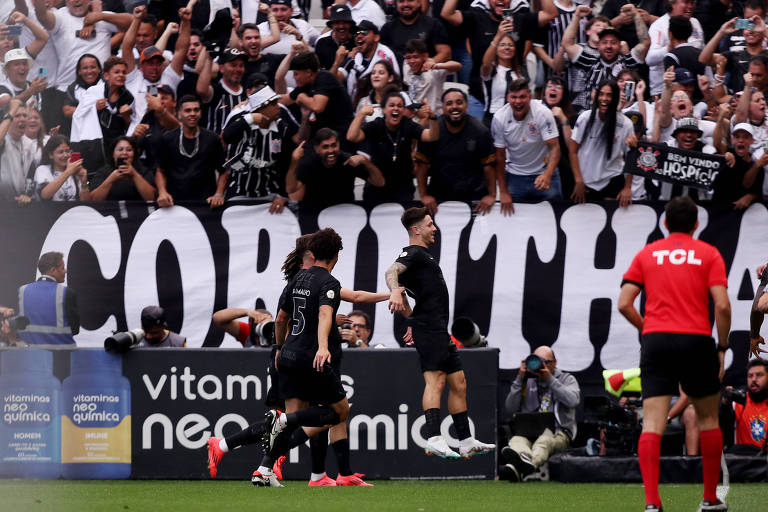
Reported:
(759, 309)
(391, 276)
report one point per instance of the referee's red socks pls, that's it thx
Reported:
(648, 452)
(711, 442)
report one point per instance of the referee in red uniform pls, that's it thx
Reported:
(679, 274)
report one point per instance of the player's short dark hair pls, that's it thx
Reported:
(413, 216)
(190, 98)
(325, 244)
(594, 20)
(364, 315)
(520, 84)
(752, 363)
(49, 260)
(681, 214)
(680, 27)
(247, 26)
(454, 89)
(323, 134)
(416, 45)
(305, 61)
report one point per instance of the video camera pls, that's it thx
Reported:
(121, 342)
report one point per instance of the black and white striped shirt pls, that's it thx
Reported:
(223, 101)
(597, 70)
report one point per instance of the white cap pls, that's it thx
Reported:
(261, 97)
(17, 54)
(747, 127)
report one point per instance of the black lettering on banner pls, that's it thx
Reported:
(299, 303)
(673, 165)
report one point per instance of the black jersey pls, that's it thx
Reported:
(423, 280)
(301, 299)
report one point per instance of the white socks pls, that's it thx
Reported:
(317, 476)
(223, 445)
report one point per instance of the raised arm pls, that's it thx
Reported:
(203, 86)
(274, 27)
(759, 309)
(432, 133)
(44, 14)
(547, 13)
(664, 115)
(130, 37)
(162, 41)
(293, 187)
(742, 108)
(450, 14)
(355, 131)
(708, 52)
(572, 31)
(41, 36)
(182, 42)
(644, 42)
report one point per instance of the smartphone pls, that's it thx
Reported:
(507, 14)
(93, 34)
(42, 73)
(152, 90)
(415, 106)
(743, 23)
(120, 161)
(629, 90)
(13, 30)
(75, 156)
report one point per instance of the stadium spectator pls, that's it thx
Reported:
(368, 10)
(358, 334)
(35, 130)
(548, 45)
(751, 109)
(59, 178)
(50, 305)
(17, 155)
(327, 175)
(557, 98)
(220, 97)
(424, 76)
(598, 143)
(291, 29)
(412, 23)
(682, 54)
(341, 27)
(460, 163)
(124, 178)
(547, 390)
(257, 61)
(261, 139)
(228, 320)
(740, 183)
(13, 79)
(389, 141)
(360, 64)
(674, 104)
(156, 333)
(188, 160)
(374, 86)
(88, 75)
(620, 17)
(482, 24)
(501, 65)
(751, 414)
(659, 37)
(527, 150)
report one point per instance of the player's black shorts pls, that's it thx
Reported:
(436, 350)
(667, 359)
(309, 385)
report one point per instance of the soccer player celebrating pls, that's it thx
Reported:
(418, 271)
(679, 274)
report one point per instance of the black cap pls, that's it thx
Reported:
(340, 12)
(638, 122)
(231, 54)
(683, 76)
(167, 89)
(609, 32)
(255, 80)
(152, 316)
(365, 26)
(280, 2)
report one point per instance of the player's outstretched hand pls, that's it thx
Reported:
(754, 347)
(321, 357)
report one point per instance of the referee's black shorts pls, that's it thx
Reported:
(309, 385)
(436, 350)
(669, 359)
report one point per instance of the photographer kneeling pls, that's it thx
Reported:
(539, 389)
(749, 409)
(155, 332)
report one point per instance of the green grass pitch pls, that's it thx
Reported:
(416, 496)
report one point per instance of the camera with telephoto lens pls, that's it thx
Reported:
(121, 342)
(533, 364)
(355, 343)
(467, 332)
(263, 333)
(735, 395)
(18, 322)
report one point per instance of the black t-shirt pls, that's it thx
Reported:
(736, 67)
(328, 186)
(338, 112)
(456, 161)
(122, 190)
(612, 8)
(391, 151)
(455, 34)
(685, 57)
(190, 177)
(423, 280)
(302, 298)
(396, 33)
(326, 47)
(267, 65)
(481, 29)
(728, 187)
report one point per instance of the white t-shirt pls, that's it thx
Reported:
(16, 156)
(139, 86)
(595, 169)
(761, 135)
(68, 191)
(283, 46)
(69, 47)
(524, 140)
(47, 57)
(368, 10)
(658, 32)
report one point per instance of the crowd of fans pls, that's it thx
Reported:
(221, 100)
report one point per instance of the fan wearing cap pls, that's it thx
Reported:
(13, 79)
(659, 36)
(740, 183)
(152, 72)
(411, 23)
(341, 27)
(291, 29)
(368, 51)
(156, 334)
(482, 24)
(260, 141)
(221, 96)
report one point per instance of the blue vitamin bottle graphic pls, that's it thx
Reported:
(96, 417)
(30, 434)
